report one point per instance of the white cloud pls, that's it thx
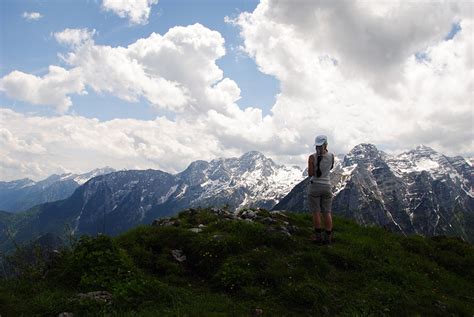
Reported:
(52, 89)
(324, 89)
(137, 11)
(74, 37)
(348, 69)
(32, 16)
(74, 143)
(369, 40)
(10, 142)
(176, 71)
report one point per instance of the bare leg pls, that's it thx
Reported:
(317, 220)
(317, 235)
(327, 221)
(328, 225)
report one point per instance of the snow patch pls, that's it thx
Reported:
(170, 192)
(182, 192)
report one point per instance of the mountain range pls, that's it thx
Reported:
(417, 192)
(115, 202)
(22, 194)
(420, 191)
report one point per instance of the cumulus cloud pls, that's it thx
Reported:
(418, 90)
(137, 11)
(74, 37)
(176, 71)
(367, 39)
(74, 143)
(52, 89)
(32, 16)
(349, 69)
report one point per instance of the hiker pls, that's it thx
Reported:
(319, 189)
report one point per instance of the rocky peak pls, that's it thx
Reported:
(424, 158)
(364, 153)
(254, 160)
(195, 173)
(424, 150)
(82, 178)
(253, 156)
(421, 153)
(100, 171)
(195, 167)
(20, 183)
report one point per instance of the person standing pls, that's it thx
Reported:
(319, 190)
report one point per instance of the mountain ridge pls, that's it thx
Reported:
(117, 201)
(419, 191)
(20, 195)
(370, 186)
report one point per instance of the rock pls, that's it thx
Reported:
(101, 296)
(217, 237)
(165, 222)
(196, 230)
(279, 214)
(178, 255)
(230, 216)
(293, 229)
(66, 314)
(220, 211)
(284, 230)
(268, 221)
(248, 214)
(258, 312)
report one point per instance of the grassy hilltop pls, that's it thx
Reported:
(208, 263)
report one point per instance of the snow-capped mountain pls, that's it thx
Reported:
(420, 191)
(250, 180)
(117, 201)
(23, 194)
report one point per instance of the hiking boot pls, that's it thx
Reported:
(328, 237)
(317, 236)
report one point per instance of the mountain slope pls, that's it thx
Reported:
(420, 191)
(252, 180)
(118, 201)
(23, 194)
(212, 262)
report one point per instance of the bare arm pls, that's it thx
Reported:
(311, 165)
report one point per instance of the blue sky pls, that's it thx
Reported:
(86, 84)
(30, 47)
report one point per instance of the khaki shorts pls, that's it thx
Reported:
(319, 197)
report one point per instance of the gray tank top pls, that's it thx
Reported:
(325, 165)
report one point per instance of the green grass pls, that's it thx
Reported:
(233, 267)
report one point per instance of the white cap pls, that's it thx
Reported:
(320, 140)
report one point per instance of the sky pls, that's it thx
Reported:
(161, 83)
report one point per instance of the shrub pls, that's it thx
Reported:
(95, 263)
